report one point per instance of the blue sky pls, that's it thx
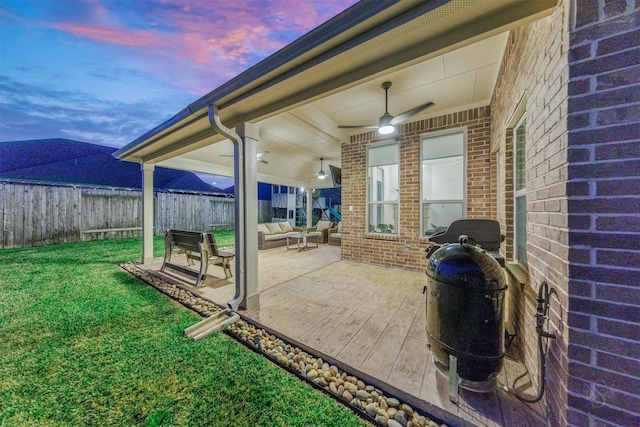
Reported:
(105, 71)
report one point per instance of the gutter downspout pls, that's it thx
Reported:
(229, 315)
(240, 203)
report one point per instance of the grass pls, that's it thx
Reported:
(225, 239)
(83, 343)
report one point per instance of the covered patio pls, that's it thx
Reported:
(299, 105)
(370, 318)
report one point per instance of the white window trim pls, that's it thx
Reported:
(368, 185)
(518, 193)
(465, 151)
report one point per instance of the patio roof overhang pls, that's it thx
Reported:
(447, 52)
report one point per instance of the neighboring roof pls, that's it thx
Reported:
(68, 161)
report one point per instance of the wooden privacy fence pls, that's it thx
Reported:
(37, 214)
(109, 213)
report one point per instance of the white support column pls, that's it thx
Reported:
(147, 213)
(309, 207)
(249, 192)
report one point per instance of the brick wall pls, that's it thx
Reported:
(391, 250)
(604, 214)
(535, 73)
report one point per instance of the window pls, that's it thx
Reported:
(442, 181)
(383, 177)
(519, 192)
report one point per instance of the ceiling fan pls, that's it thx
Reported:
(387, 123)
(259, 155)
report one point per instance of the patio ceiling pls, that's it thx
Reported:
(448, 53)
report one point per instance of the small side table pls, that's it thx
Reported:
(302, 241)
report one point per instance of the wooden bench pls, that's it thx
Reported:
(219, 227)
(102, 232)
(196, 245)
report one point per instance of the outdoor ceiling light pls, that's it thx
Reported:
(321, 174)
(385, 127)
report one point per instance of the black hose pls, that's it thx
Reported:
(543, 375)
(542, 312)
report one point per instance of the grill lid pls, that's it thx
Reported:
(465, 265)
(479, 231)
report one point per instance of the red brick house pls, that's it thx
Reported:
(552, 152)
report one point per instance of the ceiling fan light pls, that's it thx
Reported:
(386, 129)
(384, 124)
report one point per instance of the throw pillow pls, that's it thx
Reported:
(273, 227)
(323, 225)
(285, 227)
(263, 228)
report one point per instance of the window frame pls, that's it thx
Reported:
(519, 194)
(378, 203)
(423, 202)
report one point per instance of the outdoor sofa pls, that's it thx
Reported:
(274, 234)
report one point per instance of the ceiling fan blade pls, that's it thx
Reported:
(407, 114)
(358, 127)
(263, 161)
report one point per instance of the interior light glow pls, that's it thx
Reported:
(386, 129)
(321, 174)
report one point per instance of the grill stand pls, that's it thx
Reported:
(454, 379)
(455, 382)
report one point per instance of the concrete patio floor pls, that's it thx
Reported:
(369, 317)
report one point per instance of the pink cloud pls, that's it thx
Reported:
(108, 34)
(203, 39)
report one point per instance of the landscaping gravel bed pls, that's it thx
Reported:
(371, 402)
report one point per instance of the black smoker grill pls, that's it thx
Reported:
(465, 309)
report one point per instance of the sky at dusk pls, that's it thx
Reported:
(107, 71)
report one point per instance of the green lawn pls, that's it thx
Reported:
(225, 239)
(83, 343)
